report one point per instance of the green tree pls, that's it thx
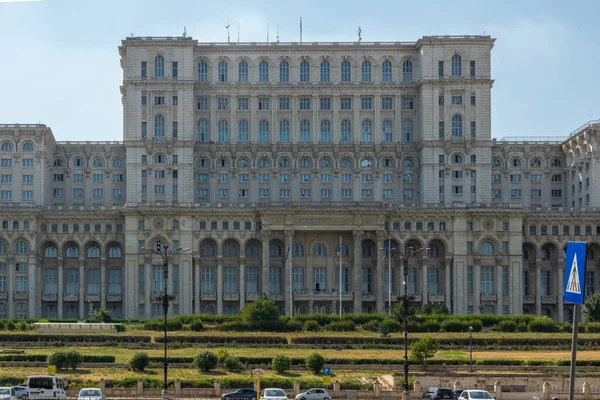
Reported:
(139, 361)
(260, 311)
(101, 316)
(591, 308)
(281, 363)
(206, 361)
(424, 349)
(64, 359)
(315, 363)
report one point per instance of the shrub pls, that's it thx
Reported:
(543, 324)
(591, 308)
(507, 326)
(101, 316)
(2, 325)
(260, 311)
(23, 326)
(10, 325)
(424, 349)
(391, 325)
(294, 326)
(233, 364)
(315, 362)
(452, 325)
(340, 326)
(222, 355)
(64, 359)
(139, 362)
(281, 363)
(593, 328)
(311, 326)
(206, 361)
(522, 327)
(196, 325)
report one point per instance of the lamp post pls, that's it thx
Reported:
(405, 256)
(165, 254)
(470, 349)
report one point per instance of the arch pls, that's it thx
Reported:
(529, 251)
(367, 131)
(159, 126)
(304, 71)
(50, 250)
(387, 162)
(202, 131)
(367, 248)
(115, 251)
(71, 250)
(222, 162)
(346, 71)
(93, 250)
(98, 162)
(284, 71)
(230, 248)
(456, 64)
(325, 71)
(457, 126)
(285, 162)
(411, 246)
(243, 131)
(548, 252)
(535, 162)
(408, 131)
(305, 162)
(202, 71)
(118, 163)
(366, 162)
(319, 250)
(365, 71)
(78, 162)
(408, 163)
(496, 162)
(243, 162)
(346, 163)
(515, 162)
(159, 66)
(223, 131)
(203, 163)
(58, 162)
(6, 146)
(28, 147)
(222, 71)
(437, 249)
(243, 71)
(159, 158)
(21, 247)
(346, 131)
(457, 159)
(208, 248)
(556, 162)
(487, 248)
(253, 249)
(276, 248)
(263, 162)
(325, 131)
(263, 131)
(325, 162)
(263, 71)
(407, 71)
(284, 131)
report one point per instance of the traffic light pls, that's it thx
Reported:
(158, 246)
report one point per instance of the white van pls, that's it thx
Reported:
(46, 388)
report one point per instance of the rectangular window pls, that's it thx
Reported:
(93, 281)
(387, 103)
(536, 193)
(202, 103)
(325, 177)
(284, 193)
(367, 193)
(223, 193)
(230, 280)
(469, 247)
(252, 280)
(263, 103)
(223, 177)
(470, 279)
(243, 103)
(304, 192)
(298, 279)
(345, 103)
(305, 103)
(222, 103)
(589, 283)
(175, 129)
(556, 178)
(325, 103)
(441, 129)
(487, 280)
(319, 279)
(408, 103)
(114, 281)
(457, 189)
(366, 103)
(274, 280)
(473, 129)
(284, 103)
(346, 193)
(208, 280)
(390, 177)
(457, 100)
(408, 193)
(27, 162)
(263, 193)
(27, 178)
(440, 68)
(325, 193)
(144, 69)
(411, 281)
(473, 100)
(556, 193)
(159, 100)
(50, 281)
(472, 68)
(545, 278)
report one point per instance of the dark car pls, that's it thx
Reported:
(438, 394)
(240, 394)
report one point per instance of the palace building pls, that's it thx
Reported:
(261, 157)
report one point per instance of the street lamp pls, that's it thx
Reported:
(164, 253)
(405, 256)
(470, 349)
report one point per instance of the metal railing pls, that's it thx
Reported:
(584, 127)
(531, 139)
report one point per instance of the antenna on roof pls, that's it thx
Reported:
(278, 33)
(300, 30)
(132, 35)
(227, 27)
(238, 32)
(184, 32)
(483, 33)
(359, 34)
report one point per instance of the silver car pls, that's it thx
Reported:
(314, 394)
(90, 394)
(21, 392)
(7, 393)
(274, 394)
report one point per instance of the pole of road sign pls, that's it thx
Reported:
(576, 308)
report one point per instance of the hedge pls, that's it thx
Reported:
(43, 358)
(73, 338)
(224, 339)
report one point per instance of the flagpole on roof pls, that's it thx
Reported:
(340, 247)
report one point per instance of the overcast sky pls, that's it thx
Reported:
(60, 63)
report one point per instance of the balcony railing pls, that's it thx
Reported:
(489, 297)
(3, 295)
(320, 295)
(114, 297)
(436, 297)
(552, 299)
(231, 296)
(528, 299)
(49, 296)
(71, 297)
(208, 296)
(92, 297)
(253, 296)
(21, 295)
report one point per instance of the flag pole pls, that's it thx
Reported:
(291, 281)
(340, 245)
(389, 275)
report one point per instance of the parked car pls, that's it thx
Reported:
(314, 394)
(457, 393)
(21, 392)
(274, 394)
(240, 394)
(475, 394)
(90, 394)
(7, 393)
(46, 387)
(434, 393)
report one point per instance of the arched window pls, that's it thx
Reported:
(346, 163)
(285, 162)
(325, 71)
(457, 159)
(456, 65)
(117, 163)
(297, 250)
(496, 162)
(407, 70)
(51, 252)
(304, 71)
(556, 163)
(243, 163)
(264, 163)
(222, 70)
(305, 162)
(252, 250)
(366, 163)
(407, 131)
(434, 250)
(386, 71)
(115, 252)
(207, 250)
(388, 163)
(78, 162)
(263, 131)
(365, 250)
(275, 250)
(202, 163)
(93, 251)
(366, 71)
(230, 250)
(346, 131)
(223, 163)
(263, 72)
(159, 66)
(408, 163)
(72, 251)
(98, 163)
(58, 162)
(21, 247)
(387, 129)
(243, 135)
(6, 147)
(27, 147)
(243, 71)
(366, 131)
(325, 163)
(202, 135)
(223, 131)
(159, 126)
(487, 249)
(159, 159)
(284, 71)
(284, 131)
(457, 128)
(536, 163)
(515, 162)
(2, 247)
(319, 250)
(346, 71)
(305, 131)
(202, 72)
(545, 253)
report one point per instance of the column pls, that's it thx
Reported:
(424, 282)
(560, 293)
(148, 286)
(379, 286)
(357, 269)
(82, 289)
(233, 124)
(477, 287)
(288, 292)
(197, 274)
(11, 283)
(499, 293)
(377, 121)
(264, 284)
(335, 123)
(356, 128)
(315, 119)
(448, 285)
(242, 282)
(103, 277)
(538, 287)
(32, 282)
(219, 281)
(294, 120)
(212, 106)
(186, 284)
(61, 287)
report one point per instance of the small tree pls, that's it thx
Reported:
(591, 308)
(64, 359)
(139, 361)
(101, 316)
(206, 361)
(424, 349)
(281, 363)
(315, 362)
(260, 311)
(233, 364)
(222, 355)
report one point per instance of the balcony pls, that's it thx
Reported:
(92, 298)
(319, 295)
(49, 297)
(3, 296)
(436, 297)
(368, 296)
(231, 296)
(21, 295)
(253, 296)
(208, 296)
(528, 299)
(549, 299)
(114, 297)
(488, 297)
(71, 297)
(276, 296)
(416, 297)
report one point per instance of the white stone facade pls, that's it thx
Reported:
(241, 151)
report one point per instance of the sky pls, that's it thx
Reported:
(60, 62)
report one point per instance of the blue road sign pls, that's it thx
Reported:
(326, 372)
(575, 272)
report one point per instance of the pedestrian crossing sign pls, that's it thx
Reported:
(575, 272)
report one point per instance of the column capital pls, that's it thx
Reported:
(358, 234)
(289, 233)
